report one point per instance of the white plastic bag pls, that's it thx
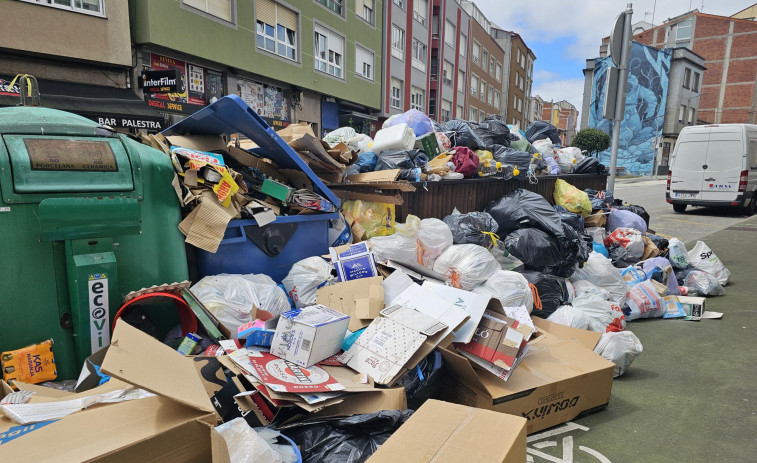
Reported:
(466, 265)
(244, 444)
(230, 298)
(620, 348)
(402, 245)
(340, 135)
(704, 259)
(565, 161)
(600, 271)
(545, 147)
(603, 315)
(704, 283)
(304, 279)
(597, 234)
(677, 254)
(511, 288)
(360, 143)
(568, 315)
(434, 237)
(644, 301)
(630, 240)
(574, 152)
(587, 287)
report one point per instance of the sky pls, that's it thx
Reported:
(563, 34)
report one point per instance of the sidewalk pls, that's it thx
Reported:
(691, 395)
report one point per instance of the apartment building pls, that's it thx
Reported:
(80, 53)
(486, 65)
(518, 72)
(562, 115)
(536, 107)
(315, 61)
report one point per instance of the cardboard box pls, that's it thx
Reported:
(558, 380)
(429, 144)
(497, 340)
(308, 335)
(694, 306)
(277, 190)
(356, 262)
(443, 432)
(361, 299)
(173, 426)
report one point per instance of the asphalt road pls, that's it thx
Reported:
(695, 223)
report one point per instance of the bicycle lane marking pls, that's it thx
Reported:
(538, 442)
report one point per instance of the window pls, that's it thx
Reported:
(695, 86)
(461, 81)
(219, 8)
(474, 85)
(329, 51)
(517, 79)
(446, 110)
(364, 9)
(496, 99)
(473, 116)
(482, 94)
(419, 55)
(686, 78)
(363, 62)
(490, 96)
(522, 83)
(515, 102)
(93, 7)
(492, 63)
(484, 59)
(481, 116)
(683, 30)
(420, 11)
(333, 5)
(449, 33)
(400, 3)
(517, 56)
(681, 113)
(276, 29)
(396, 99)
(447, 73)
(417, 97)
(476, 52)
(691, 116)
(459, 112)
(520, 105)
(463, 45)
(398, 42)
(498, 73)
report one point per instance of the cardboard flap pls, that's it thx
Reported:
(587, 338)
(139, 359)
(461, 367)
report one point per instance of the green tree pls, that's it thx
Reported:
(591, 140)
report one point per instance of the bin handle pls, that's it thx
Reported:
(237, 239)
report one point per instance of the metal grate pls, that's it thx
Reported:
(745, 228)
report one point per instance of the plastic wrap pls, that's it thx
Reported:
(552, 167)
(525, 209)
(703, 258)
(597, 234)
(230, 298)
(704, 283)
(552, 292)
(434, 237)
(416, 120)
(600, 271)
(340, 135)
(506, 260)
(572, 198)
(244, 444)
(466, 265)
(677, 253)
(511, 288)
(377, 219)
(470, 227)
(644, 301)
(402, 246)
(535, 248)
(620, 348)
(304, 279)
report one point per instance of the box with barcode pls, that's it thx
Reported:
(308, 335)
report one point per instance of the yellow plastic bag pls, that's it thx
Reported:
(377, 219)
(484, 154)
(571, 198)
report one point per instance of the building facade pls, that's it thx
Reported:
(80, 54)
(314, 61)
(486, 60)
(518, 70)
(562, 115)
(535, 108)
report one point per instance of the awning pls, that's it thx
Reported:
(116, 107)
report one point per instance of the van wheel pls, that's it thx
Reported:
(680, 208)
(752, 207)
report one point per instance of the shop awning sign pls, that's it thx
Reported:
(166, 81)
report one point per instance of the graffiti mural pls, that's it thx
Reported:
(646, 95)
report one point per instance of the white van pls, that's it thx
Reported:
(714, 165)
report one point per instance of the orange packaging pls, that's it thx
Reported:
(31, 364)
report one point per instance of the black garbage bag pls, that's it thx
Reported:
(638, 210)
(437, 126)
(493, 131)
(575, 221)
(406, 161)
(589, 166)
(366, 162)
(468, 228)
(461, 133)
(512, 157)
(600, 200)
(553, 292)
(352, 439)
(574, 249)
(536, 249)
(659, 241)
(541, 130)
(525, 209)
(424, 381)
(619, 256)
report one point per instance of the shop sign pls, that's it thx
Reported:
(160, 81)
(196, 86)
(267, 101)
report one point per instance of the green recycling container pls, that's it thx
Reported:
(87, 215)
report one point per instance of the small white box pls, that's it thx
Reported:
(308, 335)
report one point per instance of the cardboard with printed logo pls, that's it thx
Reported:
(308, 335)
(558, 380)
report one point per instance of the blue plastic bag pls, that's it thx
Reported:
(600, 248)
(619, 218)
(416, 120)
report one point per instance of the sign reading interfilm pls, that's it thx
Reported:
(99, 314)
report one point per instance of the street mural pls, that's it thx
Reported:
(646, 95)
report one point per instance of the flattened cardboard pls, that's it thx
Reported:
(442, 432)
(380, 399)
(197, 142)
(294, 131)
(388, 175)
(347, 296)
(557, 381)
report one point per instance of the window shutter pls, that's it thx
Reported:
(220, 9)
(265, 10)
(286, 17)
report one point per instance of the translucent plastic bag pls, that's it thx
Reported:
(644, 301)
(604, 316)
(567, 315)
(677, 253)
(565, 161)
(304, 279)
(620, 348)
(416, 120)
(582, 287)
(231, 297)
(704, 283)
(402, 246)
(434, 237)
(506, 260)
(571, 198)
(466, 265)
(511, 288)
(245, 445)
(704, 259)
(600, 271)
(630, 240)
(619, 218)
(552, 167)
(377, 219)
(340, 135)
(597, 234)
(545, 147)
